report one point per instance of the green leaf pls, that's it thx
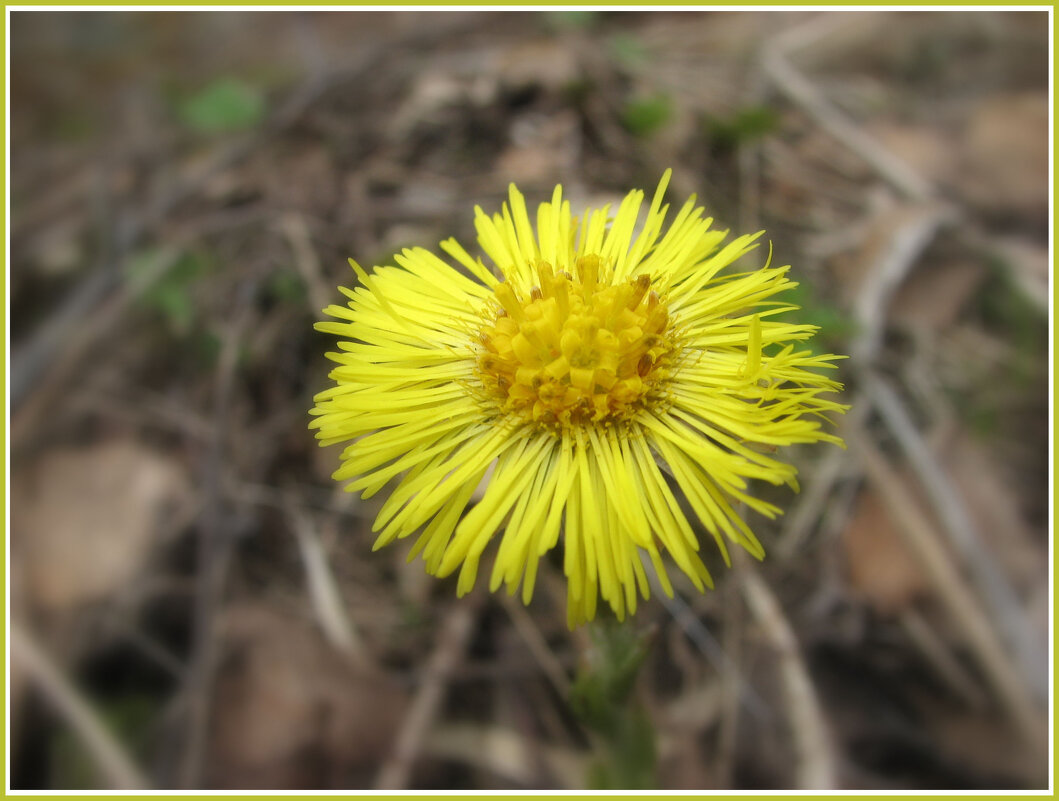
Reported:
(744, 125)
(645, 116)
(227, 104)
(606, 683)
(630, 757)
(128, 717)
(571, 20)
(627, 50)
(603, 700)
(171, 296)
(287, 286)
(834, 324)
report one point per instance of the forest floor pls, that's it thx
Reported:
(194, 602)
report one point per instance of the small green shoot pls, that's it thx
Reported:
(645, 116)
(603, 700)
(627, 50)
(225, 105)
(746, 124)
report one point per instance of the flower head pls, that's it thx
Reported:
(599, 373)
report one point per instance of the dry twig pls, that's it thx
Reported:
(306, 261)
(505, 753)
(793, 83)
(215, 546)
(703, 640)
(815, 769)
(62, 343)
(906, 244)
(538, 646)
(115, 766)
(728, 705)
(962, 604)
(323, 590)
(454, 635)
(937, 653)
(808, 509)
(914, 231)
(1005, 610)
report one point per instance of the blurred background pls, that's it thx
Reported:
(193, 602)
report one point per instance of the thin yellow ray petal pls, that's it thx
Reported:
(435, 537)
(523, 525)
(527, 242)
(601, 520)
(573, 542)
(511, 477)
(474, 266)
(565, 481)
(493, 242)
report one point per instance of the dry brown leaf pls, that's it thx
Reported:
(290, 712)
(1004, 158)
(1029, 265)
(880, 243)
(546, 63)
(307, 180)
(926, 150)
(994, 506)
(984, 744)
(543, 149)
(880, 566)
(933, 296)
(85, 522)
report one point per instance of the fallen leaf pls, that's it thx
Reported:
(291, 712)
(993, 504)
(545, 63)
(86, 521)
(227, 104)
(543, 148)
(1029, 265)
(881, 568)
(932, 297)
(1004, 156)
(928, 151)
(984, 744)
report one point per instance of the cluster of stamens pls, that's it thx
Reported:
(573, 350)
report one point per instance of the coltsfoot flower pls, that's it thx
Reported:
(598, 373)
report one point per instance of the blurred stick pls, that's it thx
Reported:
(799, 89)
(1003, 605)
(728, 726)
(910, 238)
(703, 640)
(502, 752)
(114, 764)
(815, 769)
(47, 355)
(914, 228)
(323, 590)
(962, 604)
(936, 651)
(306, 261)
(911, 232)
(153, 650)
(538, 646)
(809, 507)
(216, 542)
(748, 162)
(61, 343)
(454, 635)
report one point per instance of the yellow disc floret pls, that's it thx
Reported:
(573, 350)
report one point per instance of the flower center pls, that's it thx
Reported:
(576, 350)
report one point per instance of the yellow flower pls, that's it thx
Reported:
(600, 373)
